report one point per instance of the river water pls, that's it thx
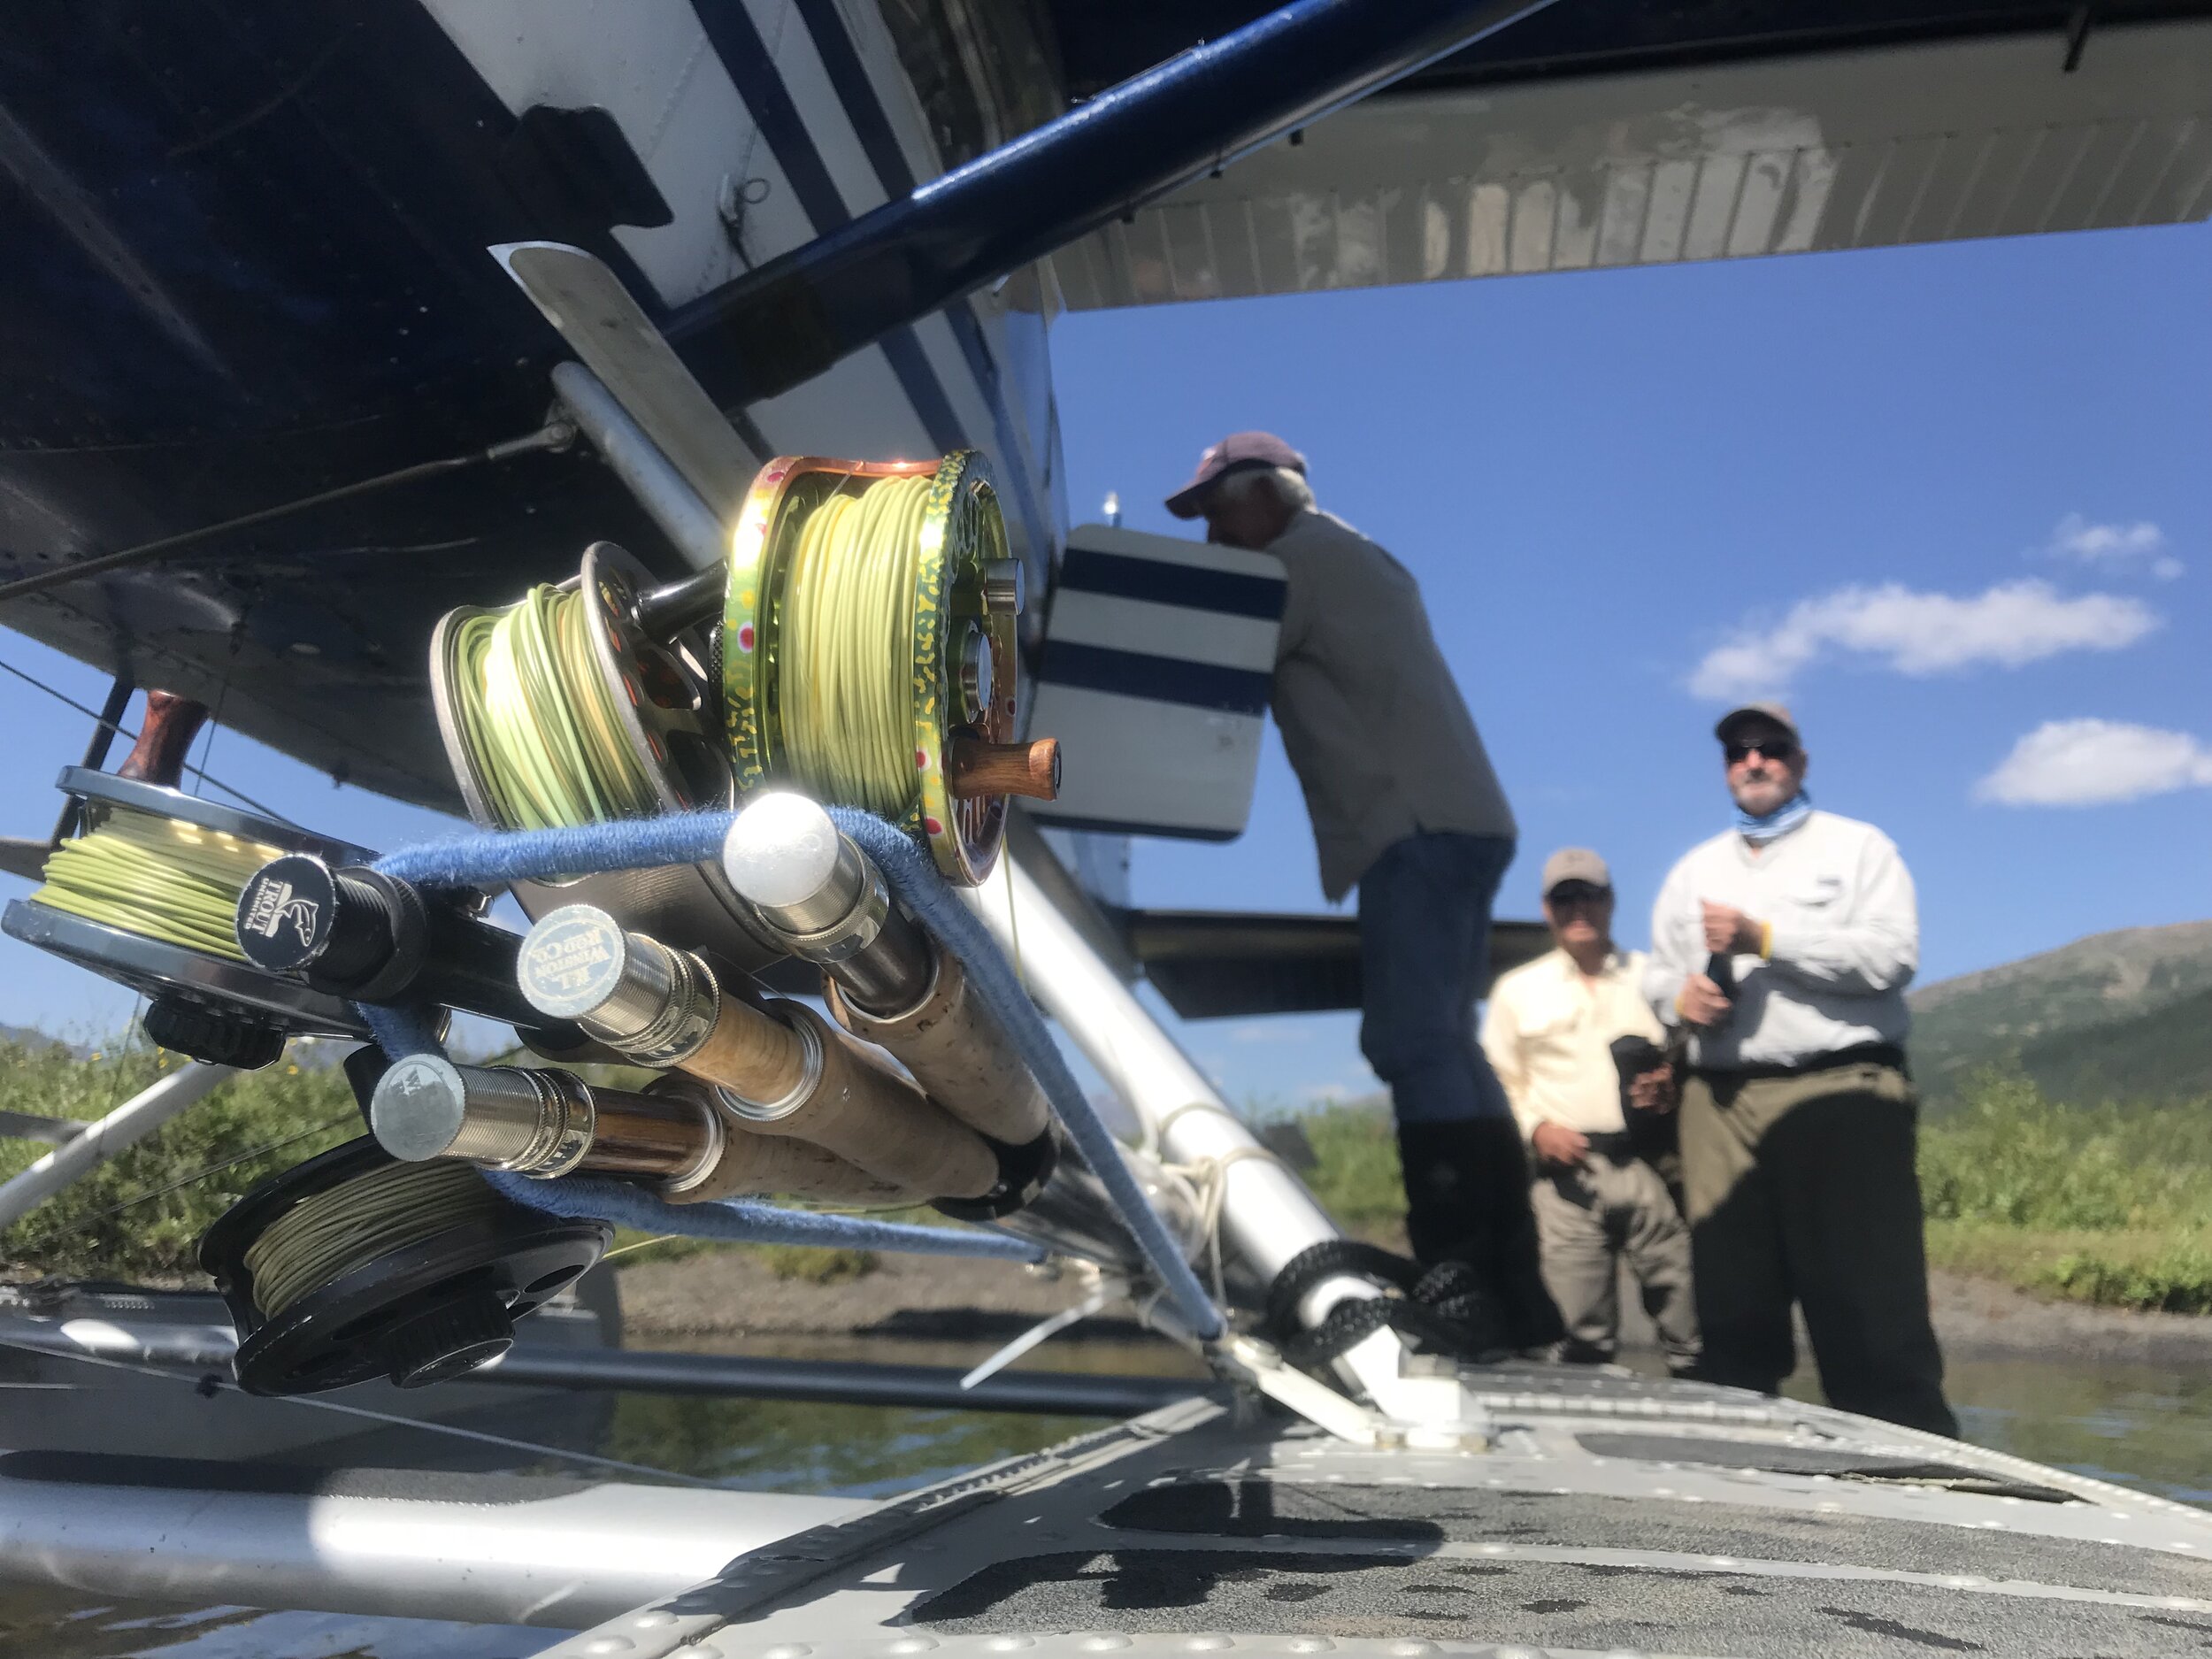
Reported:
(2140, 1427)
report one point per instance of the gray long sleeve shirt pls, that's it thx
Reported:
(1376, 730)
(1846, 941)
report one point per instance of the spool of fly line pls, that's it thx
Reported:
(869, 654)
(563, 710)
(558, 711)
(354, 1265)
(147, 894)
(160, 877)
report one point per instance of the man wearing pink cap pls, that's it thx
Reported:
(1404, 806)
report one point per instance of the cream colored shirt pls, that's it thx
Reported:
(1372, 721)
(1549, 1031)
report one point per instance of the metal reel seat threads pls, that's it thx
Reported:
(952, 633)
(353, 1265)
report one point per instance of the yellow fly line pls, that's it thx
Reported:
(158, 877)
(324, 1237)
(540, 718)
(845, 677)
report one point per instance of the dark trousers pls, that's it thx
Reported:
(1803, 1188)
(1424, 955)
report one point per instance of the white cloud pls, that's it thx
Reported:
(1920, 634)
(2094, 762)
(2138, 546)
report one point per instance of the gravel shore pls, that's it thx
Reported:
(731, 1293)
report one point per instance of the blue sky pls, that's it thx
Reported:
(1952, 500)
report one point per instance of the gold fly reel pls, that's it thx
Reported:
(947, 627)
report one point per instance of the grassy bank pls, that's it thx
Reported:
(2110, 1205)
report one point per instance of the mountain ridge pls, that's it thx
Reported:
(2123, 1014)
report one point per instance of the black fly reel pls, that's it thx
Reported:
(214, 1005)
(354, 1265)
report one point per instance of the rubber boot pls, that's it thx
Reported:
(1467, 1201)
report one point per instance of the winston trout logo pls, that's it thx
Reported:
(274, 907)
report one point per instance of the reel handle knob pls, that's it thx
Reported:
(165, 737)
(1025, 768)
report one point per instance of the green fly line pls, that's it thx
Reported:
(158, 877)
(845, 685)
(540, 718)
(324, 1237)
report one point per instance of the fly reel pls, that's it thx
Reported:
(354, 1265)
(566, 709)
(145, 894)
(869, 652)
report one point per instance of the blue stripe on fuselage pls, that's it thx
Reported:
(848, 77)
(731, 31)
(1162, 679)
(1193, 587)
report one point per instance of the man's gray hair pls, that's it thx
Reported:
(1289, 488)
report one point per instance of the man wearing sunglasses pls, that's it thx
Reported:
(1782, 948)
(1553, 1029)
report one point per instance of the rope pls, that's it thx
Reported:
(1209, 1180)
(491, 859)
(327, 1236)
(846, 726)
(158, 877)
(1447, 1309)
(539, 718)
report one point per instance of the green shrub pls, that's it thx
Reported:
(2011, 1156)
(139, 1216)
(1355, 1172)
(2177, 1278)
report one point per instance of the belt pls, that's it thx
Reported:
(1617, 1144)
(1887, 1053)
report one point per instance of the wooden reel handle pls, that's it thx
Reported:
(165, 737)
(974, 767)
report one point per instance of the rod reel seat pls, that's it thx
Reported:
(215, 1007)
(415, 1272)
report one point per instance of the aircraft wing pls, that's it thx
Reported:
(1213, 964)
(1588, 139)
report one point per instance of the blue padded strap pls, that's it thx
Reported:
(496, 858)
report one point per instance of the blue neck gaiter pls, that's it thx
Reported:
(1780, 822)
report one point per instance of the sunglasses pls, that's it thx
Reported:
(1777, 750)
(1577, 893)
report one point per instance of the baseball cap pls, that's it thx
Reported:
(1576, 863)
(1237, 449)
(1774, 712)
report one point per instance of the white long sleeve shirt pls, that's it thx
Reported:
(1548, 1031)
(1845, 941)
